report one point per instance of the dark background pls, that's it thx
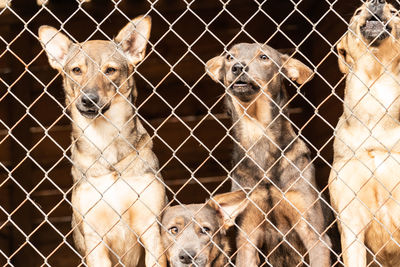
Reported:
(181, 106)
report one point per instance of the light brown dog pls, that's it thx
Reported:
(272, 160)
(113, 162)
(364, 180)
(195, 235)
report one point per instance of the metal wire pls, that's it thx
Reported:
(11, 172)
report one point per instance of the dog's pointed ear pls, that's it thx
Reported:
(56, 46)
(344, 58)
(214, 68)
(296, 70)
(133, 38)
(229, 206)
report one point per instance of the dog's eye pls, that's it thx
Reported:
(173, 230)
(110, 71)
(77, 71)
(394, 12)
(205, 230)
(263, 57)
(358, 12)
(342, 52)
(229, 57)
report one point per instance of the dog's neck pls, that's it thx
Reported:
(261, 118)
(261, 128)
(100, 145)
(371, 107)
(373, 91)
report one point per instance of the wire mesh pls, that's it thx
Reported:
(192, 136)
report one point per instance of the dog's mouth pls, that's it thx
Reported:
(195, 263)
(93, 112)
(244, 90)
(375, 30)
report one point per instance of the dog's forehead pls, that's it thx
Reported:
(99, 50)
(247, 50)
(199, 212)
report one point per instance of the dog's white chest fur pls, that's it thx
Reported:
(104, 143)
(373, 96)
(372, 107)
(101, 135)
(255, 128)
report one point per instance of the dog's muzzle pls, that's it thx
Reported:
(376, 28)
(89, 105)
(188, 258)
(244, 88)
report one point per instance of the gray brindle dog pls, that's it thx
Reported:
(271, 159)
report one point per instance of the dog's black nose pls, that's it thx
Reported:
(376, 2)
(89, 99)
(237, 69)
(186, 256)
(376, 7)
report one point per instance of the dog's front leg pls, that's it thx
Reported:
(306, 216)
(318, 250)
(97, 254)
(154, 250)
(352, 241)
(146, 223)
(347, 199)
(247, 255)
(247, 244)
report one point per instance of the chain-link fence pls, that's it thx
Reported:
(198, 129)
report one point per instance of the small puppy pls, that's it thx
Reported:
(271, 159)
(195, 235)
(113, 162)
(364, 181)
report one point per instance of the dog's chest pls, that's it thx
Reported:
(371, 98)
(113, 205)
(381, 193)
(371, 117)
(104, 142)
(100, 135)
(251, 134)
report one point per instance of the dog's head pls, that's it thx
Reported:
(194, 235)
(373, 29)
(248, 69)
(97, 73)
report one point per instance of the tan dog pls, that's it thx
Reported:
(364, 180)
(195, 235)
(271, 159)
(112, 156)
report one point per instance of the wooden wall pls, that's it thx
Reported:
(181, 106)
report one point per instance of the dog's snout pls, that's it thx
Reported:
(90, 99)
(376, 7)
(377, 2)
(238, 68)
(186, 256)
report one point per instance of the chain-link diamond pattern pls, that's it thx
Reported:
(181, 108)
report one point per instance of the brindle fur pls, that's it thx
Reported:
(111, 151)
(195, 235)
(364, 180)
(261, 128)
